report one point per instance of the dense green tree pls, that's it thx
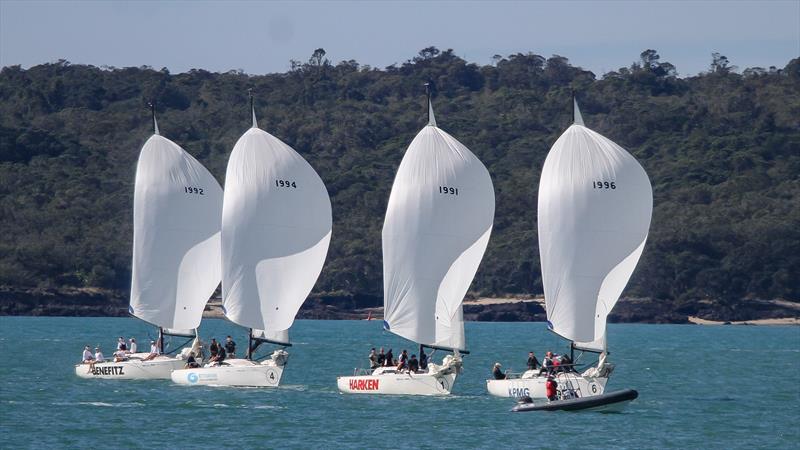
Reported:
(721, 150)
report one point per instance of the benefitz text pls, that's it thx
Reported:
(364, 385)
(108, 370)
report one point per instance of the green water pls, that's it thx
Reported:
(712, 387)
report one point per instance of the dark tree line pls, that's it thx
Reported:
(722, 150)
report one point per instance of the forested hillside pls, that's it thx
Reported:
(722, 150)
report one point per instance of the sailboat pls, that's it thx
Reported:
(595, 205)
(177, 207)
(438, 222)
(276, 228)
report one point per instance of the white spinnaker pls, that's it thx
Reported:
(276, 227)
(177, 207)
(434, 238)
(591, 232)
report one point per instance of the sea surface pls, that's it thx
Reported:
(699, 386)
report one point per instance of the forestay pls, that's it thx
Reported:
(177, 209)
(595, 204)
(276, 227)
(437, 226)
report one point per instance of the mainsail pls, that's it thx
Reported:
(177, 207)
(437, 226)
(595, 204)
(276, 228)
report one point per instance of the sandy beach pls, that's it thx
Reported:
(778, 321)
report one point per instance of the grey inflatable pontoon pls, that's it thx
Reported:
(575, 404)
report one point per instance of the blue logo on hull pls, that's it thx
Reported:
(192, 377)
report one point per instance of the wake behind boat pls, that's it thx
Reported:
(176, 236)
(595, 204)
(437, 225)
(276, 228)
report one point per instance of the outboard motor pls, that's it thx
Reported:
(525, 400)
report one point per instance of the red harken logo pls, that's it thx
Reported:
(364, 385)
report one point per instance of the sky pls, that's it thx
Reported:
(262, 37)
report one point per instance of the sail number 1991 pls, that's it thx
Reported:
(448, 190)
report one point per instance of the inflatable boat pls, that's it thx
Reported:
(603, 401)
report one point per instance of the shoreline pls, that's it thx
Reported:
(760, 322)
(92, 302)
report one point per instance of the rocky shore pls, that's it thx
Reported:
(106, 303)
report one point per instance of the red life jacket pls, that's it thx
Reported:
(550, 388)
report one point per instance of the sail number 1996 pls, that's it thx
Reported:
(448, 190)
(603, 185)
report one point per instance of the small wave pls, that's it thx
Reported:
(294, 387)
(266, 407)
(101, 404)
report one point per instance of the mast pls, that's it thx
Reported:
(152, 105)
(577, 119)
(573, 105)
(428, 93)
(250, 348)
(252, 107)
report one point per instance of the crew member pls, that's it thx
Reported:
(556, 360)
(230, 347)
(98, 355)
(121, 354)
(413, 364)
(373, 359)
(381, 358)
(497, 372)
(566, 364)
(87, 355)
(547, 364)
(389, 359)
(533, 363)
(191, 362)
(154, 351)
(218, 358)
(402, 362)
(423, 359)
(88, 358)
(120, 343)
(550, 388)
(214, 347)
(132, 348)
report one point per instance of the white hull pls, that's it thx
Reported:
(438, 380)
(235, 372)
(133, 369)
(532, 385)
(398, 384)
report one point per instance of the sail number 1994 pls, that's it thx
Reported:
(604, 185)
(286, 183)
